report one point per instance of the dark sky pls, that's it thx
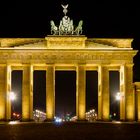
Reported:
(102, 18)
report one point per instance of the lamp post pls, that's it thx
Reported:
(12, 98)
(118, 98)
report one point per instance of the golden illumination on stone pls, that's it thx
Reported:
(8, 42)
(50, 92)
(100, 93)
(2, 111)
(122, 91)
(2, 92)
(8, 91)
(27, 93)
(130, 99)
(105, 93)
(80, 94)
(77, 53)
(137, 92)
(120, 43)
(31, 91)
(64, 42)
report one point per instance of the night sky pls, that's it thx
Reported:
(102, 19)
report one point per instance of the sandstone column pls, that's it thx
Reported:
(2, 92)
(100, 93)
(129, 95)
(50, 93)
(137, 92)
(80, 93)
(122, 91)
(103, 93)
(27, 93)
(8, 90)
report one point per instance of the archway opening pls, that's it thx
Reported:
(65, 94)
(39, 95)
(16, 89)
(91, 95)
(114, 84)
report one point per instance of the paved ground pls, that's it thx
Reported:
(70, 131)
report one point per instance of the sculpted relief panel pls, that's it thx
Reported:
(63, 56)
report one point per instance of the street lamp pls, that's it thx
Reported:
(118, 96)
(12, 96)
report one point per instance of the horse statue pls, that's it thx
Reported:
(54, 29)
(78, 29)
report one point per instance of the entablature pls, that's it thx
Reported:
(66, 56)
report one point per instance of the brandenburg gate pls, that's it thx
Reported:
(69, 51)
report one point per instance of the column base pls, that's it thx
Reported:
(103, 120)
(122, 120)
(8, 120)
(130, 120)
(49, 120)
(27, 120)
(81, 120)
(106, 120)
(100, 120)
(5, 120)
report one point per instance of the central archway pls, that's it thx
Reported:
(65, 94)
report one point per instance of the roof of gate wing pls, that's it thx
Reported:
(11, 42)
(42, 43)
(110, 42)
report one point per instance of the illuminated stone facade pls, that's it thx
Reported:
(137, 99)
(76, 53)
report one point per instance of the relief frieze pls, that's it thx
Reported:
(63, 55)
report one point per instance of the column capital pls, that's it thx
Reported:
(137, 85)
(80, 65)
(129, 65)
(104, 66)
(50, 64)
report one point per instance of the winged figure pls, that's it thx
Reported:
(65, 8)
